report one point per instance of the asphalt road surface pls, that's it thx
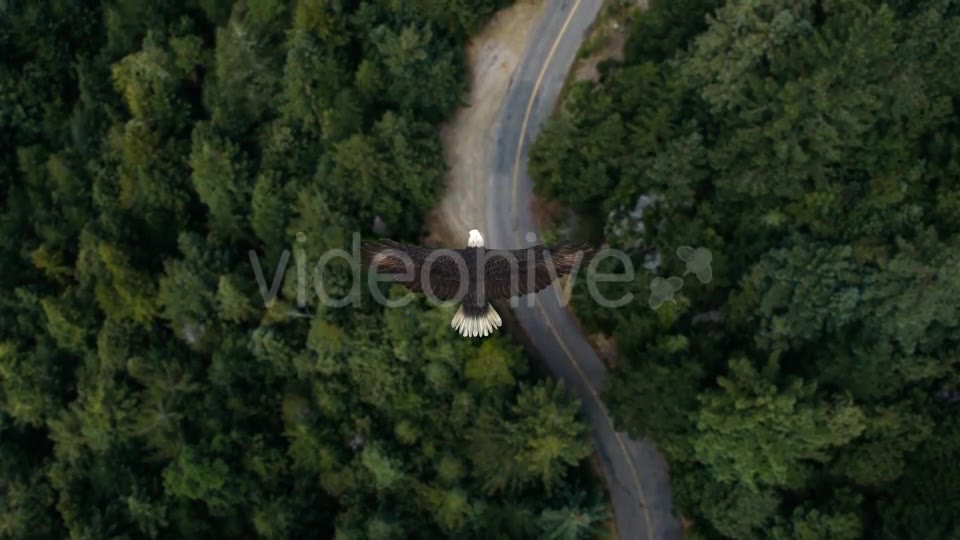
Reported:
(636, 474)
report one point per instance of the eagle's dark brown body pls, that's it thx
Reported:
(474, 275)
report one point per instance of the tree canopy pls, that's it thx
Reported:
(808, 388)
(150, 387)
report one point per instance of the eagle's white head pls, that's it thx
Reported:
(475, 240)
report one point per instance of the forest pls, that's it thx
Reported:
(147, 389)
(810, 388)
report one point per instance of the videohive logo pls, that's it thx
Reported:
(697, 262)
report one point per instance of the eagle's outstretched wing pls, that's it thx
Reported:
(409, 263)
(509, 273)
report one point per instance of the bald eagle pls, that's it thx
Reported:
(474, 275)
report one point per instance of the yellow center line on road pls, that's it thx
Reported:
(606, 415)
(546, 318)
(533, 93)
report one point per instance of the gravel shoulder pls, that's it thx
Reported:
(493, 56)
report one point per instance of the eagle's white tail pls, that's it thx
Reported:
(476, 325)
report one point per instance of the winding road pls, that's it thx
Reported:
(636, 474)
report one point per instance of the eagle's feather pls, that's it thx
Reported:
(535, 268)
(474, 275)
(408, 263)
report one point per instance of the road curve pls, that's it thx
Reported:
(636, 474)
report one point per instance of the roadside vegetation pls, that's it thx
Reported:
(808, 387)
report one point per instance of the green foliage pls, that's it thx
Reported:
(147, 390)
(419, 69)
(385, 472)
(579, 519)
(739, 428)
(220, 178)
(537, 444)
(492, 367)
(922, 502)
(808, 388)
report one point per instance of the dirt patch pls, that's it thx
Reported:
(606, 349)
(492, 56)
(611, 36)
(546, 213)
(606, 40)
